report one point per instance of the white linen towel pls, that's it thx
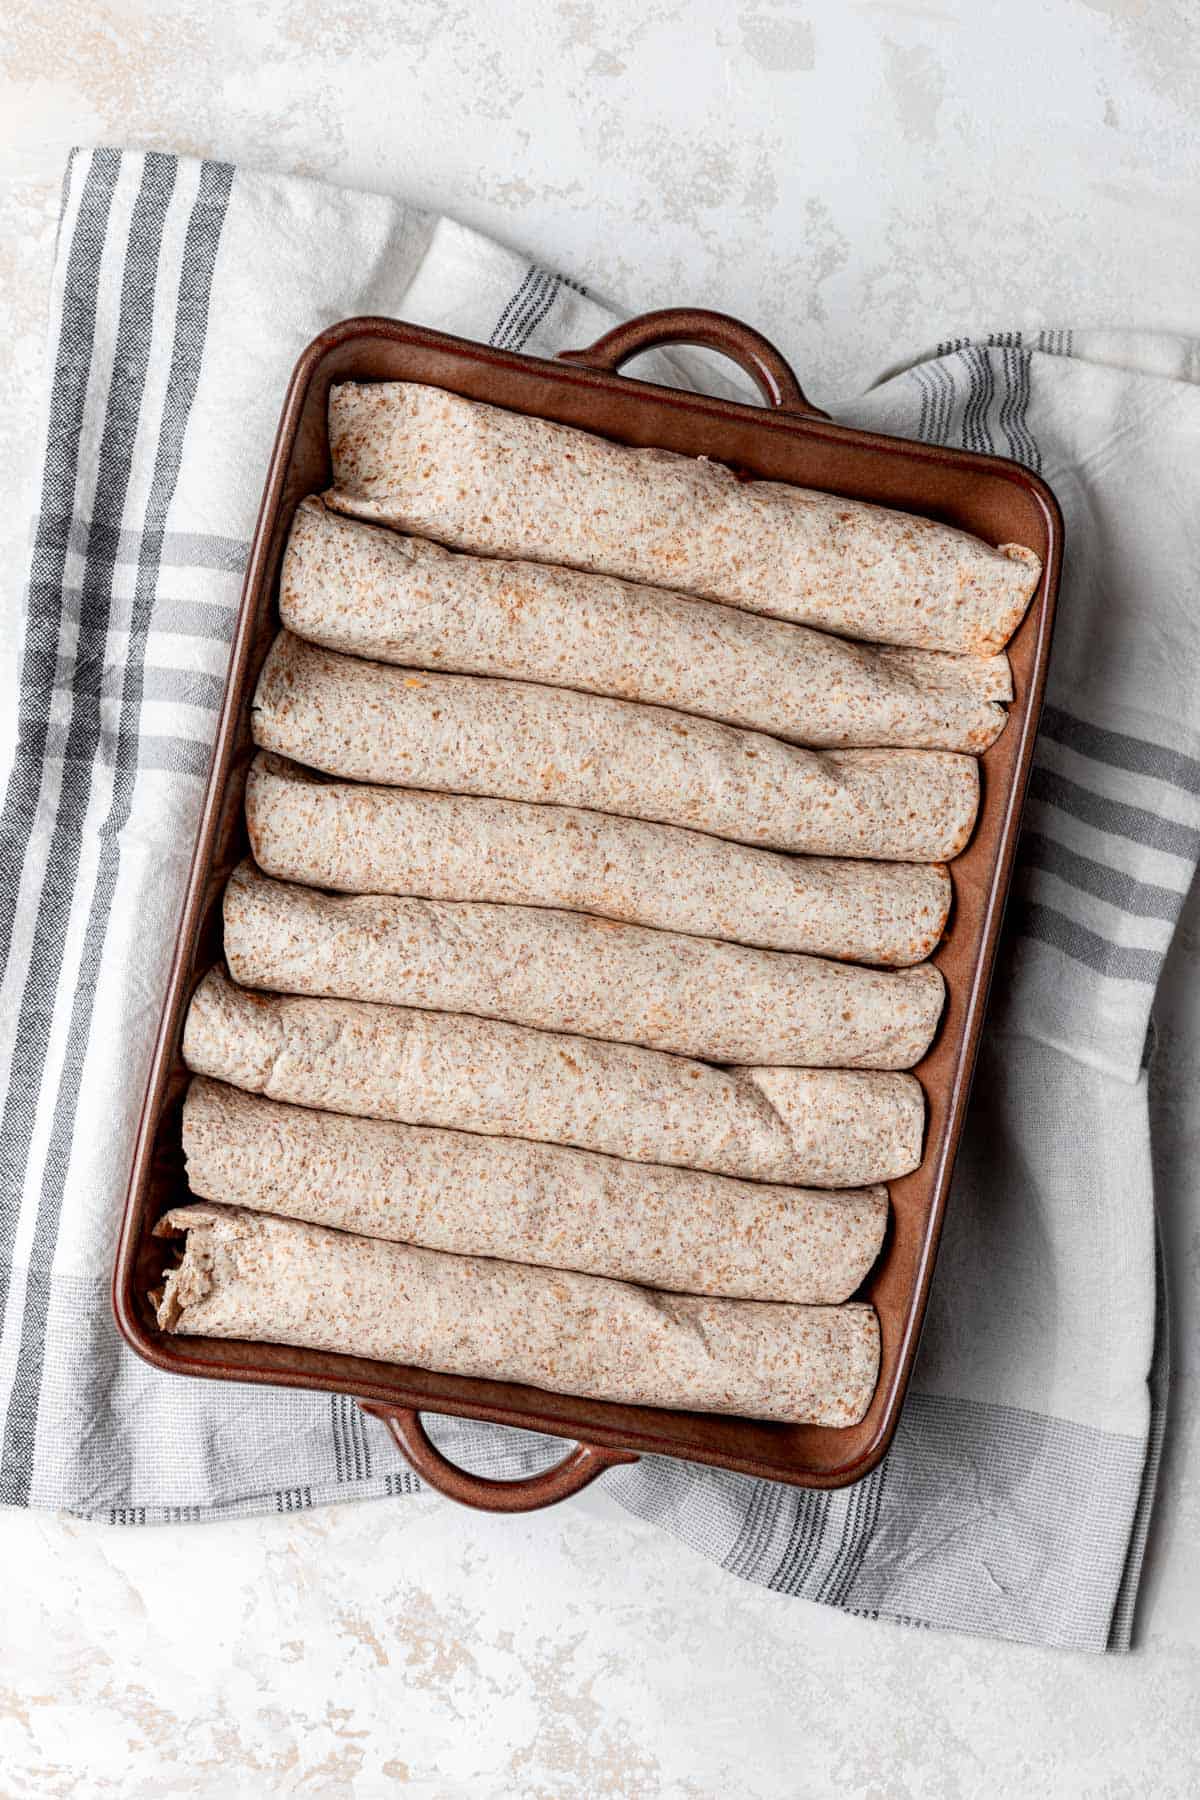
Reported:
(1015, 1499)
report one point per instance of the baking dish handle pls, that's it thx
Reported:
(770, 371)
(580, 1466)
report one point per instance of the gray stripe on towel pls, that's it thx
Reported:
(191, 318)
(1119, 962)
(1116, 817)
(1141, 899)
(946, 1538)
(1121, 751)
(55, 898)
(48, 560)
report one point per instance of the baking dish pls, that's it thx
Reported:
(787, 440)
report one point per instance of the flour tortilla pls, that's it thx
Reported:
(373, 593)
(677, 1229)
(249, 1275)
(500, 483)
(517, 740)
(564, 971)
(826, 1128)
(377, 840)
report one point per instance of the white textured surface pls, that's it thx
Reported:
(858, 180)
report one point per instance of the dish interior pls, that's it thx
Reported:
(995, 500)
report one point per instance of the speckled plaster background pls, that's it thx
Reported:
(859, 179)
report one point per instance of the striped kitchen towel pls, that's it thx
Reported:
(1016, 1498)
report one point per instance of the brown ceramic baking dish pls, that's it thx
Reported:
(789, 440)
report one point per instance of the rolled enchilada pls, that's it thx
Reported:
(519, 740)
(363, 839)
(249, 1275)
(500, 483)
(397, 599)
(804, 1127)
(678, 1229)
(566, 971)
